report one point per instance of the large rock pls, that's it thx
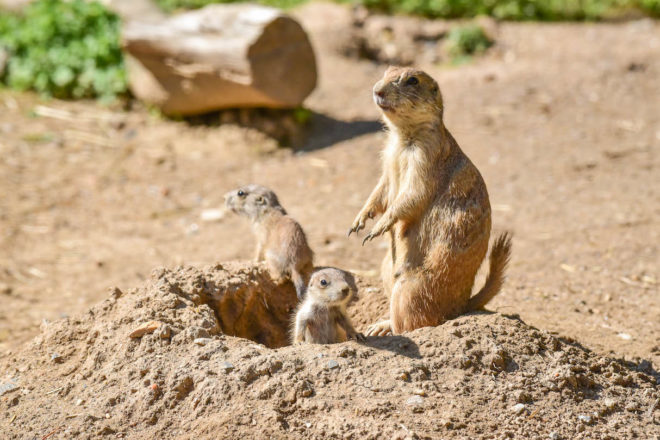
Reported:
(221, 56)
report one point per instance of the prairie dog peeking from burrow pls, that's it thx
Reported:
(281, 241)
(321, 318)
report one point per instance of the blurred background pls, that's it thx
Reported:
(123, 123)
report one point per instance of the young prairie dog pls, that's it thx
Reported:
(281, 241)
(434, 204)
(321, 318)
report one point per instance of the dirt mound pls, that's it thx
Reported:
(479, 376)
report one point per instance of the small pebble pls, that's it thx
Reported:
(115, 292)
(609, 403)
(419, 392)
(332, 364)
(518, 408)
(553, 436)
(585, 419)
(202, 341)
(212, 215)
(522, 397)
(415, 400)
(227, 367)
(7, 387)
(164, 332)
(55, 357)
(79, 402)
(148, 327)
(632, 407)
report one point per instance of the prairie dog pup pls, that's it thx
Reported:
(435, 208)
(321, 318)
(281, 241)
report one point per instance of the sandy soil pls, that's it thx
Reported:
(562, 120)
(478, 376)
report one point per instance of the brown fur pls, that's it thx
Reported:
(322, 317)
(435, 206)
(281, 241)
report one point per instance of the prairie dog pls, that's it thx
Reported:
(321, 318)
(281, 241)
(434, 204)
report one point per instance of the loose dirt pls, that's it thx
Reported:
(482, 375)
(564, 124)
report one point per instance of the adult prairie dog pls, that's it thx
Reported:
(281, 241)
(434, 204)
(321, 318)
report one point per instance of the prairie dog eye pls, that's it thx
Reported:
(241, 193)
(323, 282)
(412, 81)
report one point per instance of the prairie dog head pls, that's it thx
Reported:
(330, 286)
(408, 96)
(253, 201)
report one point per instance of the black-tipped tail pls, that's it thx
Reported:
(499, 259)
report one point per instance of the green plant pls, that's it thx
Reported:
(467, 40)
(548, 10)
(652, 6)
(302, 115)
(66, 49)
(171, 5)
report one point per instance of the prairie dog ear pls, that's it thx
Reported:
(260, 200)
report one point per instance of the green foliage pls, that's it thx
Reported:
(302, 115)
(66, 49)
(467, 40)
(171, 5)
(651, 6)
(550, 10)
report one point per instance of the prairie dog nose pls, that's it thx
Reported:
(379, 93)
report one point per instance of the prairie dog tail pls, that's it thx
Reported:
(499, 259)
(300, 283)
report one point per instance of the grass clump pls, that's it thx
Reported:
(172, 5)
(64, 49)
(651, 6)
(544, 10)
(465, 41)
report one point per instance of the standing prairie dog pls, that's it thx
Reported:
(322, 317)
(434, 204)
(281, 241)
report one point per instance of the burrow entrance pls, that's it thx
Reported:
(246, 302)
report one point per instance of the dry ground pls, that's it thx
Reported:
(481, 376)
(563, 120)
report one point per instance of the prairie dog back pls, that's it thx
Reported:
(281, 241)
